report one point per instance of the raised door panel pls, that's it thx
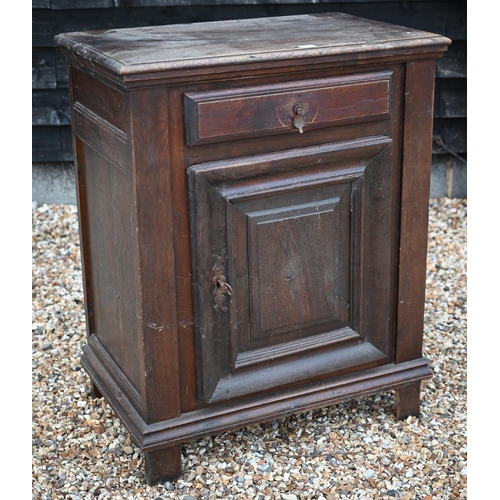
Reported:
(279, 245)
(295, 249)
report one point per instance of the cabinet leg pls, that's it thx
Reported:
(408, 401)
(163, 465)
(95, 393)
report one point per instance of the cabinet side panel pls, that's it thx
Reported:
(107, 247)
(417, 147)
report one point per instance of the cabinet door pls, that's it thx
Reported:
(293, 270)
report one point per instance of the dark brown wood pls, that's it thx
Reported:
(156, 278)
(294, 243)
(110, 141)
(109, 258)
(109, 364)
(408, 401)
(163, 464)
(223, 115)
(95, 393)
(218, 418)
(101, 99)
(415, 184)
(182, 255)
(237, 269)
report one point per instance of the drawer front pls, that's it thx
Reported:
(253, 111)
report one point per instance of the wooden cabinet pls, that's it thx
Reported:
(253, 202)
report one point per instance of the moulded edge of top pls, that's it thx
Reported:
(422, 41)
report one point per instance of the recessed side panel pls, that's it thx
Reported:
(109, 261)
(283, 253)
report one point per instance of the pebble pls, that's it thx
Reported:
(356, 449)
(368, 473)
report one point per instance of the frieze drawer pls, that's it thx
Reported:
(235, 114)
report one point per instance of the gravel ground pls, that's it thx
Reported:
(354, 450)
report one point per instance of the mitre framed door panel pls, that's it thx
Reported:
(280, 243)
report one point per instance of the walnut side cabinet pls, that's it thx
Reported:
(253, 203)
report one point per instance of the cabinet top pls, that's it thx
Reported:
(336, 36)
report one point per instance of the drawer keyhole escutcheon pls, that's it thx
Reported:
(299, 121)
(221, 287)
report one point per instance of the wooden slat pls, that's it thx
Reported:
(48, 23)
(453, 64)
(44, 69)
(453, 132)
(50, 107)
(48, 69)
(41, 4)
(451, 98)
(104, 4)
(46, 144)
(449, 176)
(66, 143)
(61, 70)
(187, 3)
(82, 4)
(447, 18)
